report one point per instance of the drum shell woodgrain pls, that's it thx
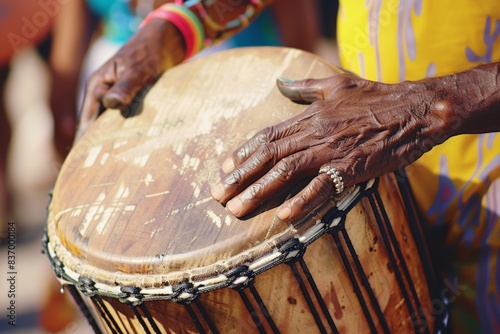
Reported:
(282, 295)
(132, 206)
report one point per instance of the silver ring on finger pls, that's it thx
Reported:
(334, 174)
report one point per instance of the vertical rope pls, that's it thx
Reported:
(195, 319)
(83, 308)
(263, 308)
(151, 321)
(417, 227)
(354, 282)
(205, 316)
(392, 259)
(104, 312)
(251, 310)
(402, 261)
(365, 282)
(314, 312)
(141, 321)
(318, 296)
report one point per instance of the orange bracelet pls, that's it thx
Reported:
(185, 21)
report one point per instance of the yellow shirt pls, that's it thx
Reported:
(457, 184)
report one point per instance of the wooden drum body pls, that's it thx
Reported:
(135, 236)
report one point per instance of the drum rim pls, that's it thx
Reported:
(179, 287)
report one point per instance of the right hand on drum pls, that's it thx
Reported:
(364, 129)
(154, 48)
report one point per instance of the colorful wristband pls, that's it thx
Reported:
(220, 30)
(185, 21)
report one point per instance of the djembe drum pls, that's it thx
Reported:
(135, 237)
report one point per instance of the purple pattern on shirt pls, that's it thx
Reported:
(488, 273)
(470, 207)
(405, 28)
(373, 30)
(489, 40)
(361, 60)
(431, 70)
(445, 195)
(478, 213)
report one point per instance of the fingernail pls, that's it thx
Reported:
(234, 206)
(112, 102)
(283, 213)
(217, 191)
(228, 165)
(288, 90)
(284, 80)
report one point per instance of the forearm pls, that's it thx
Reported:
(298, 21)
(469, 102)
(220, 20)
(224, 18)
(167, 36)
(480, 91)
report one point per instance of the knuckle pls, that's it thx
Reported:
(349, 82)
(286, 168)
(266, 154)
(324, 187)
(235, 178)
(301, 202)
(253, 191)
(309, 82)
(319, 105)
(262, 137)
(268, 134)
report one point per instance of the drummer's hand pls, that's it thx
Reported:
(154, 48)
(364, 129)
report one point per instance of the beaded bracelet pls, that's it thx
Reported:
(185, 21)
(229, 27)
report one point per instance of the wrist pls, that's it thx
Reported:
(468, 102)
(480, 91)
(169, 39)
(187, 24)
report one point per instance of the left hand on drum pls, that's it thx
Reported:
(152, 50)
(364, 129)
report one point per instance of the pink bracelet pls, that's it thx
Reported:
(185, 21)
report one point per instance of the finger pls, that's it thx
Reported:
(318, 191)
(94, 90)
(121, 94)
(246, 150)
(91, 106)
(266, 136)
(276, 153)
(308, 90)
(285, 174)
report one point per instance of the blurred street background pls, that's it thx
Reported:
(32, 168)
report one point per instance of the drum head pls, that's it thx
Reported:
(133, 196)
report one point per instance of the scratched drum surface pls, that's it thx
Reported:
(132, 208)
(133, 195)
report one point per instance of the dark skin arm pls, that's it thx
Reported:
(71, 37)
(364, 129)
(298, 22)
(155, 48)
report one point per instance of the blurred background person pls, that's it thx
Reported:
(59, 32)
(42, 46)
